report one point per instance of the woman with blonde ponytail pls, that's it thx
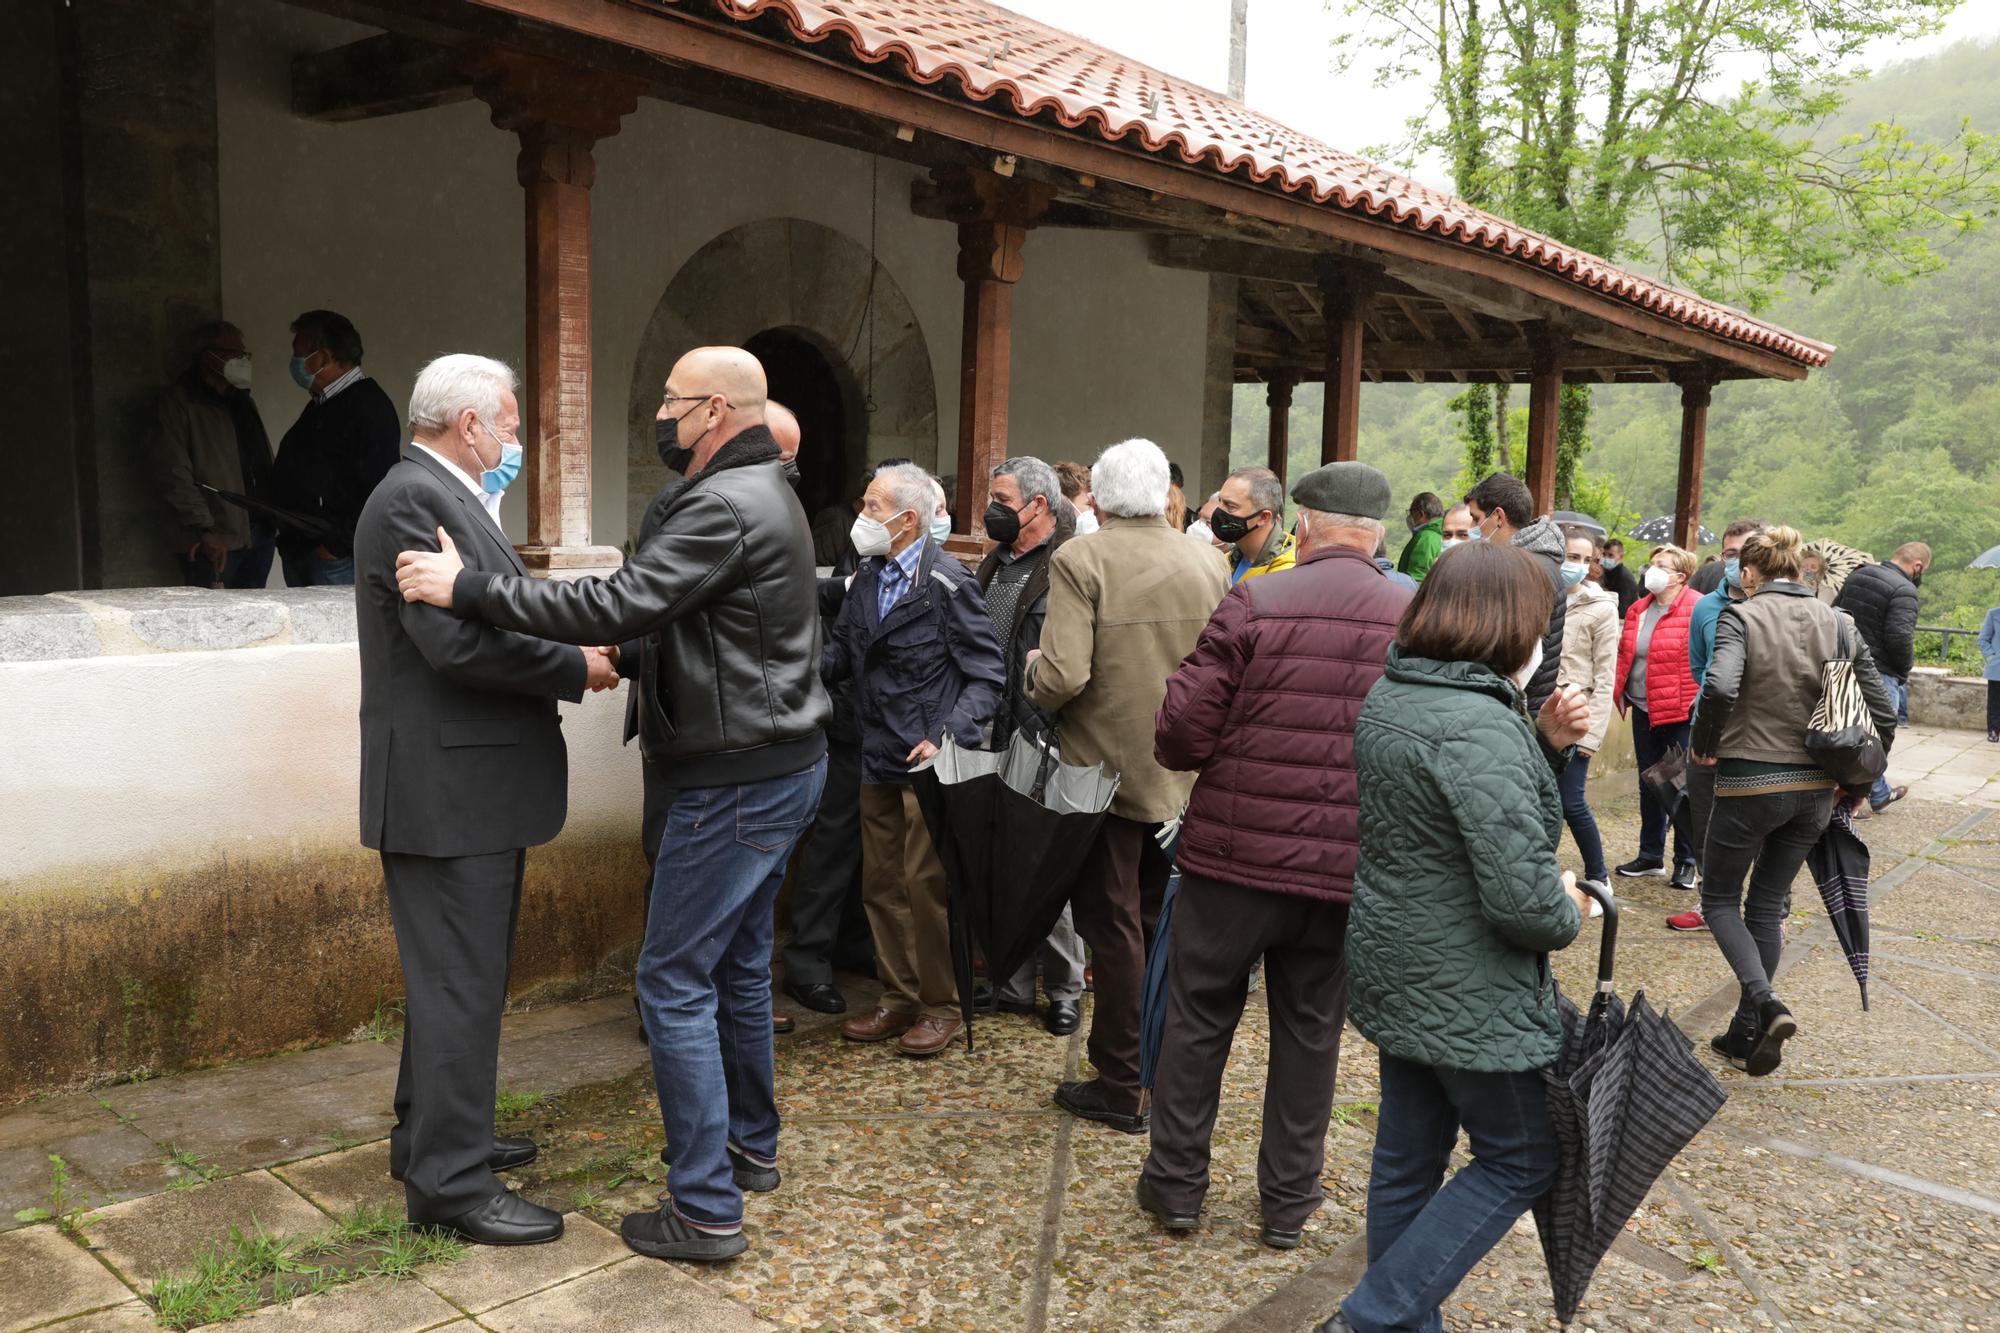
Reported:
(1772, 801)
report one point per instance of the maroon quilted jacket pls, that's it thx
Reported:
(1264, 708)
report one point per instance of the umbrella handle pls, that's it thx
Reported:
(1607, 951)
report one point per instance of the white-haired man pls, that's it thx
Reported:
(1126, 604)
(462, 768)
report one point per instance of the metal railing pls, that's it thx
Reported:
(1947, 633)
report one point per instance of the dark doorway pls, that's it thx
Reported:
(803, 377)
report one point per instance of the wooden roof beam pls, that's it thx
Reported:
(383, 75)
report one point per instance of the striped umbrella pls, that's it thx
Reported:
(1839, 866)
(1837, 562)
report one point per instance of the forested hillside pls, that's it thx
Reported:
(1898, 440)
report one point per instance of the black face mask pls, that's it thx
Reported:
(1917, 579)
(667, 440)
(1231, 527)
(790, 467)
(1003, 525)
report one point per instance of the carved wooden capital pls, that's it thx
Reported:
(959, 194)
(1278, 386)
(1347, 286)
(559, 111)
(1697, 384)
(990, 251)
(1548, 344)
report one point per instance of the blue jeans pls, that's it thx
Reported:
(1422, 1239)
(705, 981)
(304, 569)
(1899, 694)
(1650, 745)
(1582, 823)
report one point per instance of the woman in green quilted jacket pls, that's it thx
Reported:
(1457, 901)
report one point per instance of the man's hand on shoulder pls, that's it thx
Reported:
(428, 576)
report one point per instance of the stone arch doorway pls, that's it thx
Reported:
(804, 293)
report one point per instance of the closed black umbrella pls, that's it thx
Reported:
(1624, 1097)
(1011, 829)
(1839, 866)
(1153, 995)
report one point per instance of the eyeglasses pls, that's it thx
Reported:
(669, 399)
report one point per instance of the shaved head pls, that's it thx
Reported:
(784, 426)
(713, 394)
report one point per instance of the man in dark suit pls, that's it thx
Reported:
(462, 768)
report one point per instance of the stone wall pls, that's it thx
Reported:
(181, 878)
(1938, 699)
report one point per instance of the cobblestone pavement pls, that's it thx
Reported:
(1858, 1188)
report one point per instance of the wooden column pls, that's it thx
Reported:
(559, 113)
(1544, 420)
(1278, 397)
(1346, 287)
(993, 215)
(1697, 388)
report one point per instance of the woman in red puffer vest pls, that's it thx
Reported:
(1656, 686)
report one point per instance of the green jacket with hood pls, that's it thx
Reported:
(1457, 896)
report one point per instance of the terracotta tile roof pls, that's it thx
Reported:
(996, 55)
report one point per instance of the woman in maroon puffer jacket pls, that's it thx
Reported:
(1656, 686)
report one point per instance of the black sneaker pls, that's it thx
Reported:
(662, 1234)
(1087, 1101)
(1640, 866)
(1686, 876)
(751, 1174)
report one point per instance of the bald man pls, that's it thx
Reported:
(732, 709)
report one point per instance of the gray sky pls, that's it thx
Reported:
(1291, 64)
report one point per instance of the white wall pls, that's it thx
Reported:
(172, 757)
(412, 226)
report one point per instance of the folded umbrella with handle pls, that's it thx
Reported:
(1838, 863)
(291, 520)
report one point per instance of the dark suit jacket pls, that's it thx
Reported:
(461, 749)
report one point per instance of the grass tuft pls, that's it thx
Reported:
(510, 1102)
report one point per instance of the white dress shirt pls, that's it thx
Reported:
(492, 502)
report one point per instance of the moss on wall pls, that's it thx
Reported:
(111, 972)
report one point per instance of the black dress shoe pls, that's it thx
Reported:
(662, 1235)
(1168, 1218)
(507, 1154)
(504, 1219)
(819, 996)
(1336, 1323)
(1087, 1101)
(1280, 1239)
(1065, 1017)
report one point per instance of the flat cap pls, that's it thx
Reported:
(1343, 488)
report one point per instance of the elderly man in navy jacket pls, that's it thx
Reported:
(915, 637)
(1264, 707)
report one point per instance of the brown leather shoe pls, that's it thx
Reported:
(929, 1035)
(878, 1026)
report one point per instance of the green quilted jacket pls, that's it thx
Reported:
(1457, 897)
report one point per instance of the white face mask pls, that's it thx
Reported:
(1527, 673)
(1201, 530)
(1657, 580)
(1086, 522)
(1450, 542)
(870, 537)
(236, 370)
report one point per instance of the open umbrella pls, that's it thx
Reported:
(1011, 828)
(1661, 529)
(1569, 518)
(1837, 562)
(1987, 560)
(1839, 866)
(1624, 1097)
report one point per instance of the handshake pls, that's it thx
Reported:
(601, 668)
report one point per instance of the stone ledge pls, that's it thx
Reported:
(1938, 699)
(137, 621)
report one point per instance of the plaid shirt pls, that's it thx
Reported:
(898, 573)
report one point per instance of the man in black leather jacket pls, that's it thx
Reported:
(730, 702)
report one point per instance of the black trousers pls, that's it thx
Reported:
(454, 919)
(1115, 905)
(829, 923)
(1219, 932)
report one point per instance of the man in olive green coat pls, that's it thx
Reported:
(1126, 604)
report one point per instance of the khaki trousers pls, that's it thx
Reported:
(903, 889)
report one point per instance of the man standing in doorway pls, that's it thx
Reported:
(1028, 521)
(732, 708)
(462, 768)
(1125, 606)
(1426, 543)
(1251, 516)
(210, 434)
(335, 454)
(1882, 599)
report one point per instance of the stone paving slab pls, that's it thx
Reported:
(45, 1275)
(494, 1275)
(1837, 1040)
(235, 1128)
(635, 1294)
(557, 1060)
(1928, 1130)
(132, 1317)
(341, 1182)
(108, 1161)
(377, 1306)
(148, 1238)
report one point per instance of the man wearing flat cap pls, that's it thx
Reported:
(1264, 709)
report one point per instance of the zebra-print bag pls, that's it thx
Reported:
(1841, 734)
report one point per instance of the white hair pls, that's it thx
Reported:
(452, 384)
(1130, 480)
(1321, 524)
(938, 502)
(909, 486)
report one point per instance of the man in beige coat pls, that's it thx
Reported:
(1126, 604)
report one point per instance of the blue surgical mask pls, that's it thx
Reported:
(1732, 572)
(494, 480)
(940, 528)
(300, 375)
(1573, 573)
(1611, 562)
